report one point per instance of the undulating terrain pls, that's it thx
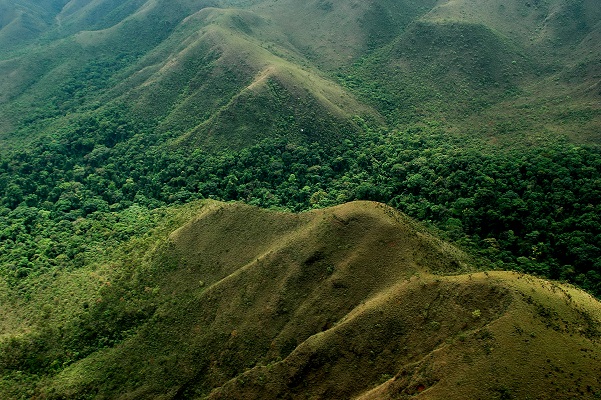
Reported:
(373, 199)
(354, 301)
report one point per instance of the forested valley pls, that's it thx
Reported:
(534, 210)
(235, 199)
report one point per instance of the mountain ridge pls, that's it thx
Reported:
(354, 301)
(122, 124)
(537, 61)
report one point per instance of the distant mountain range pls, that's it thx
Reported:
(227, 73)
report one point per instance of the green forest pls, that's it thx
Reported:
(530, 209)
(182, 186)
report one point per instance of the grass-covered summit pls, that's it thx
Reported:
(354, 301)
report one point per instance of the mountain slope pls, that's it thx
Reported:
(334, 34)
(220, 84)
(492, 69)
(474, 116)
(185, 65)
(187, 77)
(23, 21)
(355, 301)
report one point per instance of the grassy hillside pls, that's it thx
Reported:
(185, 67)
(223, 87)
(334, 34)
(23, 21)
(480, 119)
(492, 70)
(352, 301)
(188, 77)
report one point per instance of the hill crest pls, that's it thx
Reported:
(354, 301)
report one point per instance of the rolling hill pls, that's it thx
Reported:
(122, 123)
(354, 301)
(186, 67)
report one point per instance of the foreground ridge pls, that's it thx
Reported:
(354, 301)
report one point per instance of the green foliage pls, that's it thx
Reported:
(451, 68)
(534, 210)
(104, 166)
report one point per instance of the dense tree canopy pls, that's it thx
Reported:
(535, 210)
